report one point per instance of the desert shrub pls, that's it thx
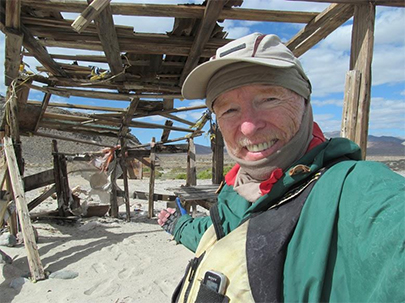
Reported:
(181, 176)
(205, 174)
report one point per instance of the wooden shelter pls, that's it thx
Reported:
(146, 70)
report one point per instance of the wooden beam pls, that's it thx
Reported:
(14, 40)
(173, 117)
(152, 178)
(12, 57)
(212, 10)
(89, 14)
(320, 27)
(64, 92)
(34, 203)
(191, 164)
(109, 40)
(44, 105)
(41, 54)
(79, 106)
(350, 105)
(126, 120)
(398, 3)
(217, 146)
(34, 262)
(38, 180)
(361, 58)
(166, 132)
(179, 11)
(90, 142)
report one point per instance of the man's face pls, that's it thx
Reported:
(257, 120)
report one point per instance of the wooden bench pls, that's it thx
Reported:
(191, 196)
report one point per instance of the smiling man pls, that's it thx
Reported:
(300, 218)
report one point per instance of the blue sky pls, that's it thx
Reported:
(326, 65)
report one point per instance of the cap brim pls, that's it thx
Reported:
(195, 85)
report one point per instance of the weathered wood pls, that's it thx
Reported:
(44, 105)
(109, 40)
(113, 190)
(173, 117)
(360, 59)
(41, 54)
(191, 164)
(212, 10)
(319, 28)
(217, 145)
(179, 11)
(350, 104)
(12, 56)
(61, 181)
(38, 200)
(152, 179)
(34, 262)
(90, 142)
(12, 219)
(39, 180)
(123, 163)
(89, 14)
(78, 106)
(127, 118)
(166, 132)
(13, 14)
(100, 94)
(398, 3)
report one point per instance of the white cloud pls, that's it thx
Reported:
(387, 114)
(403, 93)
(328, 122)
(285, 5)
(320, 103)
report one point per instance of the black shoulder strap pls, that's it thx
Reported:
(216, 221)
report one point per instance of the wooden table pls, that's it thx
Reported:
(191, 196)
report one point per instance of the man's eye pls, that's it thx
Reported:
(271, 99)
(228, 111)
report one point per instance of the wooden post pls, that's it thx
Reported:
(350, 105)
(61, 180)
(360, 60)
(217, 145)
(113, 193)
(191, 167)
(152, 178)
(34, 262)
(123, 161)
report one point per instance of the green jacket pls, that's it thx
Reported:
(348, 245)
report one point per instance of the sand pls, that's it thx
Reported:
(116, 261)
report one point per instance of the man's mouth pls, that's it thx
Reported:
(261, 146)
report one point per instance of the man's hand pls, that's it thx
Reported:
(167, 218)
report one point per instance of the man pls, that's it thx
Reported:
(300, 218)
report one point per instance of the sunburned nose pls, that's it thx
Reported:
(249, 127)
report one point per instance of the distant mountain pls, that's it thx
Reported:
(202, 149)
(380, 146)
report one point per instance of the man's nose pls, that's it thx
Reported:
(251, 122)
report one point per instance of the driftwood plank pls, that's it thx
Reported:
(360, 59)
(88, 15)
(212, 10)
(320, 27)
(13, 57)
(191, 164)
(109, 40)
(34, 262)
(152, 178)
(38, 180)
(38, 200)
(181, 11)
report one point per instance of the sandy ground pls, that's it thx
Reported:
(116, 261)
